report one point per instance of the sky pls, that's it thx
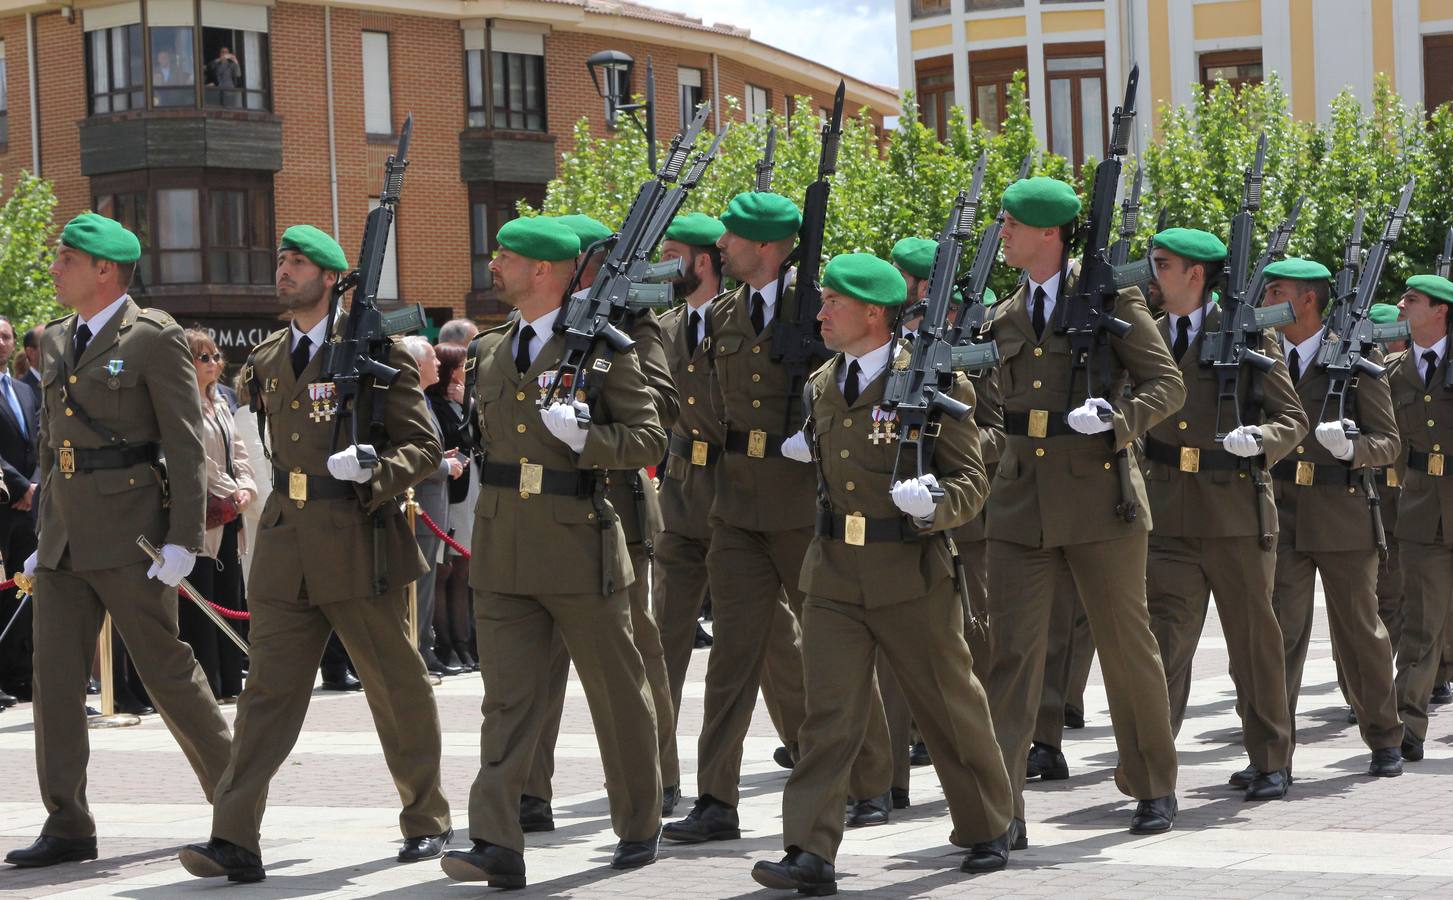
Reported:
(853, 36)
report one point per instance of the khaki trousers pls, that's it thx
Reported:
(1427, 592)
(1390, 591)
(923, 641)
(1109, 576)
(515, 634)
(68, 609)
(1067, 661)
(648, 641)
(287, 640)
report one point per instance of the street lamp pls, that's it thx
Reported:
(615, 68)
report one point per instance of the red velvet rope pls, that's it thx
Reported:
(222, 610)
(439, 533)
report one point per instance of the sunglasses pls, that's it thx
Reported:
(209, 357)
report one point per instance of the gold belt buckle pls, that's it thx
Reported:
(855, 530)
(1190, 459)
(297, 486)
(1435, 464)
(699, 452)
(757, 444)
(1038, 423)
(67, 459)
(1392, 476)
(532, 478)
(1306, 473)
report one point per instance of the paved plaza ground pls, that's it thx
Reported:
(331, 827)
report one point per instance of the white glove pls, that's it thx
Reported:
(1333, 436)
(29, 568)
(1086, 418)
(1243, 440)
(796, 449)
(912, 497)
(560, 419)
(344, 465)
(176, 564)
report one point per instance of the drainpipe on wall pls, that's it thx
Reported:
(716, 101)
(332, 137)
(34, 93)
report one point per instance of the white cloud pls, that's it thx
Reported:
(853, 36)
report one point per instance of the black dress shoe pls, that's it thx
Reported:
(48, 851)
(709, 820)
(800, 871)
(1243, 778)
(634, 854)
(1074, 718)
(670, 796)
(1386, 763)
(6, 700)
(536, 815)
(1442, 693)
(918, 755)
(703, 640)
(1048, 762)
(499, 866)
(1018, 835)
(783, 757)
(218, 857)
(441, 668)
(345, 682)
(1351, 716)
(1154, 816)
(1269, 785)
(1412, 747)
(429, 846)
(870, 812)
(900, 798)
(987, 856)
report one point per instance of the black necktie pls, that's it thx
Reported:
(1038, 319)
(83, 337)
(300, 355)
(1430, 357)
(1294, 363)
(522, 352)
(850, 388)
(691, 339)
(759, 312)
(1183, 337)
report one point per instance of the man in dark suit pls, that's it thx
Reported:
(27, 365)
(19, 414)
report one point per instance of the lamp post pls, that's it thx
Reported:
(615, 70)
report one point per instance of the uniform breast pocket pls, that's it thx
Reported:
(1011, 348)
(487, 396)
(101, 390)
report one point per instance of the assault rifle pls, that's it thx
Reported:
(1129, 220)
(1445, 259)
(595, 323)
(1346, 277)
(796, 341)
(1276, 248)
(970, 317)
(767, 163)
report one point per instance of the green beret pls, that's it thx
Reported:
(1041, 202)
(914, 255)
(762, 216)
(1383, 313)
(1298, 270)
(1435, 286)
(539, 237)
(697, 229)
(589, 230)
(865, 277)
(101, 237)
(1191, 243)
(317, 246)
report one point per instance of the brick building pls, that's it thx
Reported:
(132, 109)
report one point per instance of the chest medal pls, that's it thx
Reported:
(885, 426)
(324, 398)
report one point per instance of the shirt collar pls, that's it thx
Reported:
(870, 363)
(1306, 350)
(99, 320)
(543, 325)
(1439, 348)
(1197, 317)
(1051, 287)
(768, 292)
(317, 334)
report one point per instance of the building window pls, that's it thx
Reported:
(1076, 87)
(1235, 67)
(178, 236)
(691, 93)
(479, 255)
(491, 204)
(982, 5)
(759, 103)
(236, 56)
(130, 209)
(114, 56)
(239, 237)
(509, 92)
(990, 74)
(171, 29)
(1437, 70)
(4, 100)
(924, 8)
(388, 279)
(378, 116)
(935, 99)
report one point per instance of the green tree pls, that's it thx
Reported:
(27, 295)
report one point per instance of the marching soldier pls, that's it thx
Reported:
(1211, 502)
(879, 578)
(550, 557)
(315, 568)
(1053, 504)
(118, 394)
(1389, 488)
(1424, 409)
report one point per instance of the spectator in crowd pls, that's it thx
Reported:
(453, 609)
(27, 364)
(458, 332)
(19, 418)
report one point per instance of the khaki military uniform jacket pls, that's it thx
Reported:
(325, 546)
(546, 543)
(857, 471)
(1219, 502)
(1062, 490)
(771, 494)
(641, 515)
(990, 418)
(687, 488)
(1425, 425)
(135, 380)
(1336, 517)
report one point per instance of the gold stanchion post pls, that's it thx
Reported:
(411, 614)
(109, 717)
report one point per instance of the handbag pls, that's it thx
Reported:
(220, 511)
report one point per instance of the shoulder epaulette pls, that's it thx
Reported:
(61, 320)
(153, 316)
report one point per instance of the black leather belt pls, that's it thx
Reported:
(860, 530)
(77, 459)
(756, 444)
(1037, 423)
(1427, 463)
(1191, 459)
(302, 487)
(1306, 474)
(698, 453)
(533, 479)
